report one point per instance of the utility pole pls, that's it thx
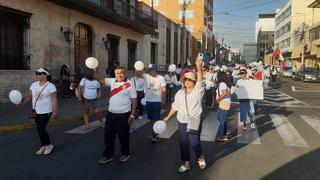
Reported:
(184, 5)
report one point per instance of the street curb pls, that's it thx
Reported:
(53, 122)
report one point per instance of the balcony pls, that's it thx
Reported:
(118, 12)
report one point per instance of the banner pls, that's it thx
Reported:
(250, 89)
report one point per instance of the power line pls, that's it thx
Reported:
(251, 6)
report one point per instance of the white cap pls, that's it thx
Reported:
(41, 70)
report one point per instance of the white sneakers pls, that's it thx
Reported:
(45, 150)
(41, 150)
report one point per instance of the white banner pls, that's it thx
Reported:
(252, 89)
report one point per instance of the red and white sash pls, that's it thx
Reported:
(120, 88)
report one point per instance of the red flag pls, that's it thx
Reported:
(276, 54)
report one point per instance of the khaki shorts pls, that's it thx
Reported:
(90, 104)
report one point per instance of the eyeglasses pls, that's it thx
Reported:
(40, 73)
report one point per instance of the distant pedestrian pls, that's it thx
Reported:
(224, 100)
(209, 81)
(155, 97)
(188, 104)
(91, 93)
(178, 72)
(120, 115)
(141, 87)
(171, 82)
(65, 80)
(43, 95)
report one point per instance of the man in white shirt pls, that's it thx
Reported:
(155, 97)
(121, 113)
(171, 82)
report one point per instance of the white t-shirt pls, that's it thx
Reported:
(139, 84)
(44, 103)
(154, 87)
(121, 101)
(90, 88)
(221, 87)
(208, 80)
(194, 100)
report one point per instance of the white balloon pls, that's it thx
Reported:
(15, 96)
(92, 63)
(159, 127)
(139, 66)
(172, 68)
(143, 101)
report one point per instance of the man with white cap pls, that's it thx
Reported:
(155, 97)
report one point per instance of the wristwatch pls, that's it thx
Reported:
(132, 116)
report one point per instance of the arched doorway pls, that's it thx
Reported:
(82, 47)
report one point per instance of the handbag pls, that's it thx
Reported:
(33, 113)
(223, 105)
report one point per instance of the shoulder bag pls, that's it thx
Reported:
(223, 105)
(33, 113)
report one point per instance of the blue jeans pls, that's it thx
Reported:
(186, 140)
(222, 116)
(246, 110)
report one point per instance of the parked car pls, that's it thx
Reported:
(287, 72)
(308, 74)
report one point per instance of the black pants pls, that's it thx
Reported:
(117, 124)
(42, 122)
(66, 87)
(140, 95)
(209, 98)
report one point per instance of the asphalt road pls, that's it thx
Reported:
(285, 145)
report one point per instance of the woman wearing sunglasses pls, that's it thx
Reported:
(188, 104)
(43, 95)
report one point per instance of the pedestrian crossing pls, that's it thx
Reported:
(274, 97)
(284, 127)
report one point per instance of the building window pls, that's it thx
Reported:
(155, 2)
(187, 1)
(315, 33)
(14, 50)
(189, 28)
(188, 14)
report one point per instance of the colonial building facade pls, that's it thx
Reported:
(50, 33)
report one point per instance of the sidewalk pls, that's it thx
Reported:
(69, 110)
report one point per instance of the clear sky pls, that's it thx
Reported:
(234, 20)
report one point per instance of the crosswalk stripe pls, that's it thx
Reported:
(96, 124)
(249, 136)
(293, 97)
(138, 123)
(81, 130)
(210, 127)
(172, 127)
(313, 121)
(289, 135)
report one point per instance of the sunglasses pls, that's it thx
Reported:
(242, 73)
(40, 73)
(186, 79)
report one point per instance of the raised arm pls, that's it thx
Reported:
(199, 69)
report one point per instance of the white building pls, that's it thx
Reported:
(249, 53)
(283, 29)
(264, 23)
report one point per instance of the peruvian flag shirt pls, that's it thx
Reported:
(121, 94)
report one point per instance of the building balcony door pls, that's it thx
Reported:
(113, 53)
(82, 48)
(132, 48)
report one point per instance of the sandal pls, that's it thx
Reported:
(183, 168)
(202, 164)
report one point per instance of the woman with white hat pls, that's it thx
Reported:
(44, 104)
(188, 104)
